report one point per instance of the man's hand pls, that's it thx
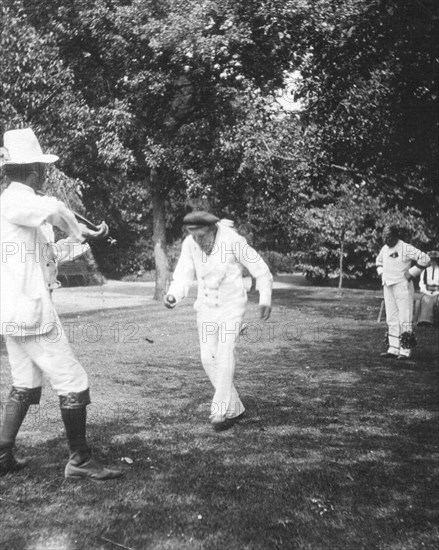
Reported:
(264, 312)
(169, 301)
(407, 276)
(90, 235)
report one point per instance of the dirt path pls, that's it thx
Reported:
(111, 295)
(118, 294)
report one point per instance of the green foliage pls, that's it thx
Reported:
(279, 262)
(37, 86)
(139, 258)
(343, 230)
(371, 96)
(160, 106)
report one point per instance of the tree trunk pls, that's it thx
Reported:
(340, 280)
(159, 238)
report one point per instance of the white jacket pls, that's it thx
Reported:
(28, 258)
(393, 263)
(219, 274)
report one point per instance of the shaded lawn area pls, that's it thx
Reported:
(339, 449)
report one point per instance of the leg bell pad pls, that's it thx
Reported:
(75, 400)
(27, 396)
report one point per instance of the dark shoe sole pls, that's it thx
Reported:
(227, 423)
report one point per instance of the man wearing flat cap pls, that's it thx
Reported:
(215, 254)
(35, 339)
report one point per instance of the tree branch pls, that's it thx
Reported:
(353, 171)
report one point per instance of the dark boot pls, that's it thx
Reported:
(81, 464)
(15, 411)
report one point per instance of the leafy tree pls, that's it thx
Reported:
(36, 85)
(157, 106)
(369, 120)
(371, 94)
(343, 235)
(163, 81)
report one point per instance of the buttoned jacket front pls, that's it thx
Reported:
(219, 274)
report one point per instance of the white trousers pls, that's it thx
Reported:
(399, 314)
(48, 354)
(218, 330)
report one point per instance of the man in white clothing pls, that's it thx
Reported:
(34, 336)
(216, 255)
(398, 263)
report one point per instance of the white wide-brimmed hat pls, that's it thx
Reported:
(21, 147)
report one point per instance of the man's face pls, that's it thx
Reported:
(203, 235)
(41, 172)
(35, 174)
(389, 237)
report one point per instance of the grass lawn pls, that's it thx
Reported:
(339, 449)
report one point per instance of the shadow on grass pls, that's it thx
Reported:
(338, 449)
(348, 465)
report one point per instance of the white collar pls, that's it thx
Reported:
(17, 186)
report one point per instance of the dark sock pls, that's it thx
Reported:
(13, 415)
(75, 425)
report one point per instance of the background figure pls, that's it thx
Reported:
(35, 339)
(216, 255)
(394, 265)
(429, 286)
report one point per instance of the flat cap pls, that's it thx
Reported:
(200, 218)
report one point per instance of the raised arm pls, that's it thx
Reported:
(35, 210)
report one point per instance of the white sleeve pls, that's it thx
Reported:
(66, 221)
(422, 260)
(35, 210)
(251, 259)
(184, 273)
(70, 249)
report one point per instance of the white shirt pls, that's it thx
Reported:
(428, 280)
(219, 273)
(28, 258)
(392, 263)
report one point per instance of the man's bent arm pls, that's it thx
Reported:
(183, 275)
